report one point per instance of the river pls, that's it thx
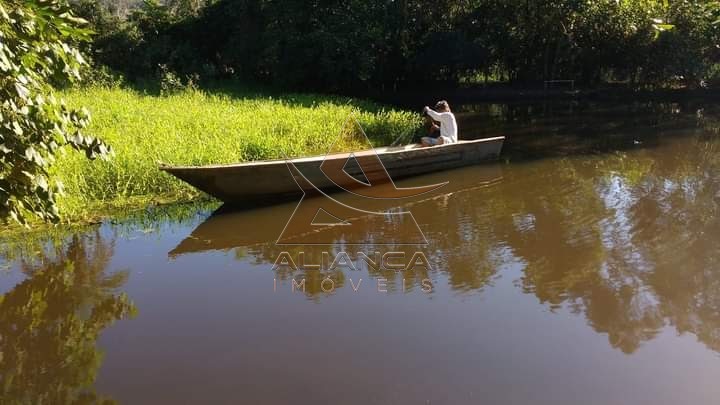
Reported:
(583, 267)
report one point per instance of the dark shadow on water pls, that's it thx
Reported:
(558, 129)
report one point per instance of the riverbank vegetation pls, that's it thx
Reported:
(170, 120)
(192, 54)
(195, 127)
(35, 126)
(348, 46)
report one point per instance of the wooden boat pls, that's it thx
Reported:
(271, 181)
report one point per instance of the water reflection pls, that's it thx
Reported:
(631, 243)
(549, 267)
(49, 323)
(255, 233)
(628, 239)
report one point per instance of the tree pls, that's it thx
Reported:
(37, 50)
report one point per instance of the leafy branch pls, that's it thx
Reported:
(36, 49)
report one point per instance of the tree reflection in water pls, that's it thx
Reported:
(633, 247)
(49, 324)
(628, 239)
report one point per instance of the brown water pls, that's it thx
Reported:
(583, 268)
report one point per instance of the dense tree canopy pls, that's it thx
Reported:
(349, 44)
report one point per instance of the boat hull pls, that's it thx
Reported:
(266, 182)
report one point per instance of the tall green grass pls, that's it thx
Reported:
(196, 128)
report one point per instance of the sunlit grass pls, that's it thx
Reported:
(196, 128)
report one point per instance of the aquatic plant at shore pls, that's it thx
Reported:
(196, 128)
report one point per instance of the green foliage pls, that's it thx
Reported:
(194, 128)
(170, 83)
(35, 49)
(346, 45)
(100, 76)
(98, 17)
(687, 47)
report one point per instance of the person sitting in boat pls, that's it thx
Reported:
(448, 125)
(433, 127)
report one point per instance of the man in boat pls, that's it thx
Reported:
(433, 127)
(448, 126)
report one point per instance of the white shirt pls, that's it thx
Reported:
(448, 126)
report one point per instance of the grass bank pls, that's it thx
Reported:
(195, 128)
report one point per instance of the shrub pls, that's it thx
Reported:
(36, 49)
